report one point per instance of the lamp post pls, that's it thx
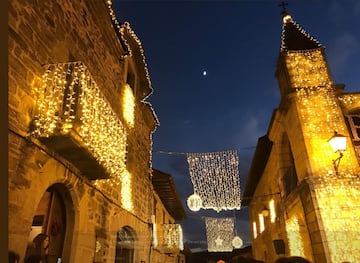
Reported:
(338, 144)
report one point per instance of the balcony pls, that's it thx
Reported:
(172, 241)
(76, 121)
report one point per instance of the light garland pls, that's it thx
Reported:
(215, 179)
(254, 228)
(296, 244)
(220, 234)
(307, 68)
(173, 236)
(272, 210)
(320, 116)
(129, 105)
(287, 19)
(70, 99)
(261, 223)
(340, 212)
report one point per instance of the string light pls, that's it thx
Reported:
(307, 68)
(220, 234)
(215, 179)
(129, 105)
(272, 210)
(287, 19)
(173, 236)
(69, 99)
(296, 244)
(339, 207)
(261, 223)
(254, 227)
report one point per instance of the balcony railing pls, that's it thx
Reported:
(75, 120)
(172, 238)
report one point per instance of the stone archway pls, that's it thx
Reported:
(54, 217)
(125, 240)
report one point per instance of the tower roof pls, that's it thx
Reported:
(294, 37)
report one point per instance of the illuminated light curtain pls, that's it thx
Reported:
(307, 68)
(69, 96)
(272, 210)
(220, 234)
(254, 229)
(173, 236)
(261, 223)
(339, 205)
(129, 105)
(296, 244)
(126, 190)
(215, 178)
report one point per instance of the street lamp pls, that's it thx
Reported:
(338, 143)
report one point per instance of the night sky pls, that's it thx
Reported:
(237, 43)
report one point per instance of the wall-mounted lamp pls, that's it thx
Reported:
(338, 143)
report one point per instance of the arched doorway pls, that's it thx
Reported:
(49, 219)
(125, 239)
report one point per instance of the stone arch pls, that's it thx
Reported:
(54, 216)
(125, 245)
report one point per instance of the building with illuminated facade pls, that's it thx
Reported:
(80, 134)
(304, 197)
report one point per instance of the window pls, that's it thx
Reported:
(353, 121)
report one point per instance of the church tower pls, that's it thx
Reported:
(303, 197)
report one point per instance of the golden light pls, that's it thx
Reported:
(173, 236)
(272, 210)
(69, 99)
(254, 229)
(296, 244)
(261, 223)
(129, 105)
(126, 191)
(338, 203)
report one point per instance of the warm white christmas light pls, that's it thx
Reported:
(69, 99)
(220, 234)
(215, 179)
(194, 202)
(173, 236)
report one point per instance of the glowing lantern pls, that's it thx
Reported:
(194, 202)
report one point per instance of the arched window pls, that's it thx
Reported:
(125, 239)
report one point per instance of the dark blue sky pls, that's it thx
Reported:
(237, 42)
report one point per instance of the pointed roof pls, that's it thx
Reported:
(294, 37)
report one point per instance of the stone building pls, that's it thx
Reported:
(80, 133)
(168, 209)
(303, 197)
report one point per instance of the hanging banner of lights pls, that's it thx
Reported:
(215, 178)
(173, 237)
(220, 234)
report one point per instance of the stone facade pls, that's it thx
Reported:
(301, 202)
(85, 218)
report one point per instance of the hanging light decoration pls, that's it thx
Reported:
(215, 178)
(69, 99)
(194, 202)
(220, 234)
(237, 242)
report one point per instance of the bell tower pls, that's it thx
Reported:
(302, 63)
